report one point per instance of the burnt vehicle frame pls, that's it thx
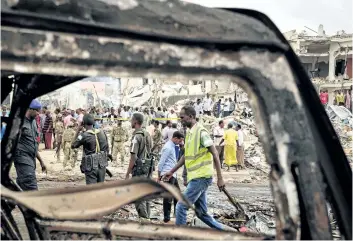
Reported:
(308, 165)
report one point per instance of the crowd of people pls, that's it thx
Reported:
(341, 98)
(162, 140)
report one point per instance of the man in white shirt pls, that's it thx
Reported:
(226, 108)
(207, 105)
(240, 148)
(198, 108)
(218, 135)
(173, 116)
(165, 131)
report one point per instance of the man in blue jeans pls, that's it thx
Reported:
(199, 158)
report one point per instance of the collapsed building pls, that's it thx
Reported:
(326, 58)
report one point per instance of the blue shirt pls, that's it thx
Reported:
(168, 158)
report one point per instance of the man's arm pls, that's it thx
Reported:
(217, 165)
(164, 155)
(180, 163)
(44, 168)
(78, 140)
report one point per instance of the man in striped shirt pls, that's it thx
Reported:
(48, 130)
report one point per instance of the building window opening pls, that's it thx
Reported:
(340, 66)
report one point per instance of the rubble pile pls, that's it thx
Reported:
(325, 80)
(342, 121)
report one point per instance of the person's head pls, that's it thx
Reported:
(165, 109)
(59, 117)
(159, 108)
(208, 95)
(72, 112)
(238, 127)
(112, 110)
(156, 123)
(136, 120)
(47, 113)
(230, 99)
(219, 100)
(172, 111)
(136, 109)
(120, 122)
(187, 116)
(126, 108)
(230, 125)
(177, 138)
(174, 125)
(198, 101)
(88, 121)
(119, 110)
(57, 111)
(169, 123)
(146, 111)
(33, 109)
(221, 123)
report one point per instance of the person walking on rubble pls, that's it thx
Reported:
(95, 150)
(200, 157)
(240, 148)
(230, 148)
(218, 135)
(167, 161)
(207, 105)
(27, 150)
(59, 131)
(48, 130)
(68, 138)
(119, 137)
(231, 106)
(141, 164)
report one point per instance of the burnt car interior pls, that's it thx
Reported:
(46, 45)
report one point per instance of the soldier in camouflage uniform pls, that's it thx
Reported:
(68, 138)
(74, 154)
(119, 137)
(157, 138)
(59, 130)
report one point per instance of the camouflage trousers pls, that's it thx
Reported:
(118, 147)
(58, 141)
(70, 155)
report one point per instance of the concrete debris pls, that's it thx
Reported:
(342, 120)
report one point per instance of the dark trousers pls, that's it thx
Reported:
(95, 176)
(220, 150)
(142, 207)
(167, 202)
(26, 176)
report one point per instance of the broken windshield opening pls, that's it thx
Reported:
(113, 100)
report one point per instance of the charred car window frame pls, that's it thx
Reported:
(315, 165)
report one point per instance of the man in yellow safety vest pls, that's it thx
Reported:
(199, 158)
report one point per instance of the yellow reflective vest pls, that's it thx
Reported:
(198, 160)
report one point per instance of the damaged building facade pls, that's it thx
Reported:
(326, 58)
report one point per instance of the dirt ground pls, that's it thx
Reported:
(253, 193)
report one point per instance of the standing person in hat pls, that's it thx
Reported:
(27, 150)
(95, 150)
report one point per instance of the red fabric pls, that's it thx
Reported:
(324, 98)
(47, 139)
